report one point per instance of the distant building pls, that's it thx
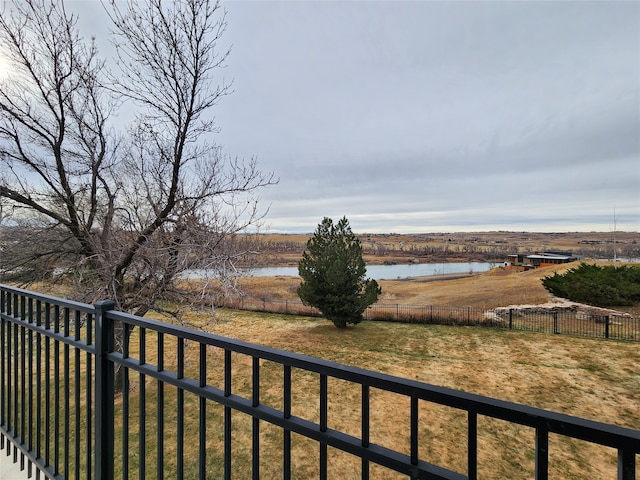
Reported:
(542, 259)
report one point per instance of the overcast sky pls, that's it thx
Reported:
(439, 116)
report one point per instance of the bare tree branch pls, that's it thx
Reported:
(123, 209)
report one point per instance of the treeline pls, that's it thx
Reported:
(477, 252)
(471, 251)
(629, 250)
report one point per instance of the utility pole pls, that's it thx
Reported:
(615, 253)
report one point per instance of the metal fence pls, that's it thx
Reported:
(566, 321)
(180, 403)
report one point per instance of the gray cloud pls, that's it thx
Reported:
(439, 116)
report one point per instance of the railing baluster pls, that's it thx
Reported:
(38, 381)
(472, 445)
(14, 338)
(413, 420)
(323, 425)
(105, 391)
(66, 383)
(142, 408)
(10, 355)
(23, 379)
(5, 372)
(56, 391)
(30, 355)
(366, 424)
(227, 415)
(287, 414)
(542, 453)
(89, 473)
(160, 412)
(125, 407)
(255, 399)
(626, 465)
(3, 357)
(7, 396)
(16, 389)
(202, 439)
(180, 411)
(47, 385)
(77, 394)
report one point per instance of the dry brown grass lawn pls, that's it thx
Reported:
(588, 378)
(497, 287)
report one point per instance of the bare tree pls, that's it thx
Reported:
(124, 212)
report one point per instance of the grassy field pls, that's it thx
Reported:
(593, 379)
(495, 288)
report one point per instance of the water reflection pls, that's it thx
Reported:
(390, 272)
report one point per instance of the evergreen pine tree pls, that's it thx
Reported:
(333, 274)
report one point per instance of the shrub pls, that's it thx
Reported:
(602, 286)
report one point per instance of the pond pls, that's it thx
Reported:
(390, 272)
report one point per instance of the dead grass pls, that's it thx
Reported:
(589, 378)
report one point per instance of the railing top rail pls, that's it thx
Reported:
(82, 307)
(597, 432)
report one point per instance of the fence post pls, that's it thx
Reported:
(511, 319)
(606, 326)
(555, 322)
(105, 386)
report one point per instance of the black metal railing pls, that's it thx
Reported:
(180, 403)
(590, 323)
